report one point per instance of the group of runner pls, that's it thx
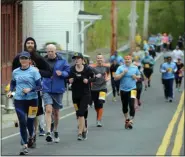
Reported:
(35, 78)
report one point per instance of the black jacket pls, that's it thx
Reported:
(40, 62)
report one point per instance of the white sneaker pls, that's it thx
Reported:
(56, 137)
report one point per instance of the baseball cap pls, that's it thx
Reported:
(77, 55)
(24, 54)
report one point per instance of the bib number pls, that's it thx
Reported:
(76, 107)
(32, 112)
(133, 94)
(147, 65)
(170, 70)
(102, 96)
(136, 57)
(180, 75)
(113, 73)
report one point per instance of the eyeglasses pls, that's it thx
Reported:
(24, 58)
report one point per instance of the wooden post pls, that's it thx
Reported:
(114, 27)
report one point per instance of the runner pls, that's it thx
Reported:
(138, 55)
(177, 53)
(162, 80)
(44, 70)
(118, 58)
(168, 69)
(80, 77)
(114, 84)
(148, 63)
(139, 84)
(99, 88)
(128, 74)
(26, 81)
(53, 90)
(179, 74)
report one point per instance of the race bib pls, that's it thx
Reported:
(169, 69)
(133, 94)
(102, 96)
(32, 112)
(76, 107)
(113, 73)
(147, 65)
(180, 75)
(136, 58)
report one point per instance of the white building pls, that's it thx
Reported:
(48, 21)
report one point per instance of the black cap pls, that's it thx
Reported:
(32, 39)
(77, 55)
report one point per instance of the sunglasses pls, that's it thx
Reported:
(24, 58)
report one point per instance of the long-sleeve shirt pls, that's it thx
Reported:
(168, 70)
(26, 78)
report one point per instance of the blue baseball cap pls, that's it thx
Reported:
(25, 54)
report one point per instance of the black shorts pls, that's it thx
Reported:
(148, 72)
(81, 104)
(40, 107)
(95, 98)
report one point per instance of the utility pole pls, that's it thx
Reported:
(133, 24)
(146, 15)
(114, 27)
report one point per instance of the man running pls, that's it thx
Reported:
(99, 88)
(45, 71)
(128, 74)
(177, 53)
(80, 77)
(53, 90)
(148, 63)
(168, 69)
(138, 55)
(114, 84)
(118, 58)
(26, 81)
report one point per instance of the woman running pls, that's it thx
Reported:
(26, 80)
(148, 63)
(179, 74)
(80, 77)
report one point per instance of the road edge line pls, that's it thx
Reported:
(179, 137)
(167, 137)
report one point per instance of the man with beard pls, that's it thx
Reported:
(45, 71)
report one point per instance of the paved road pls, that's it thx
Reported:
(151, 123)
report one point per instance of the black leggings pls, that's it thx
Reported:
(127, 101)
(26, 112)
(115, 86)
(178, 80)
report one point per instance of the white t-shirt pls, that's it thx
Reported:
(177, 54)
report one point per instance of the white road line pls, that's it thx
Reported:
(63, 117)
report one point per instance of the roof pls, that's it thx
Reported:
(86, 13)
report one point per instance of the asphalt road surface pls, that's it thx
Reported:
(158, 129)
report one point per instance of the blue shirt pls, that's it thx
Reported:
(127, 83)
(25, 79)
(168, 70)
(119, 59)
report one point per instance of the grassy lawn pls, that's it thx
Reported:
(99, 35)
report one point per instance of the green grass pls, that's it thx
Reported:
(99, 35)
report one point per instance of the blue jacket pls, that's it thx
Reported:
(56, 84)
